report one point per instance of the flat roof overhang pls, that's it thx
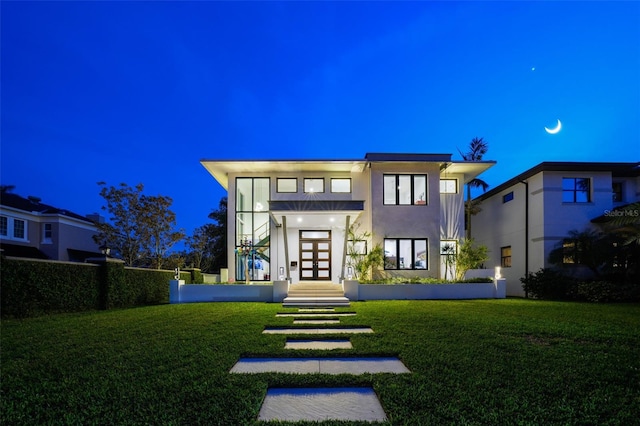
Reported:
(315, 213)
(470, 169)
(220, 170)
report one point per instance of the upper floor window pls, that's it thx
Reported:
(313, 185)
(252, 194)
(405, 189)
(15, 229)
(617, 191)
(505, 257)
(448, 186)
(507, 197)
(340, 185)
(576, 190)
(47, 232)
(406, 253)
(287, 185)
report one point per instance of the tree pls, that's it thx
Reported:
(470, 257)
(140, 228)
(218, 236)
(365, 264)
(477, 148)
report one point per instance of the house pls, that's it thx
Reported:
(523, 219)
(292, 216)
(32, 229)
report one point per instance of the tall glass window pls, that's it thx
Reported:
(405, 189)
(405, 253)
(252, 229)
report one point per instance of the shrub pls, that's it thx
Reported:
(605, 291)
(546, 284)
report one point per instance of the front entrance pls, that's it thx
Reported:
(315, 255)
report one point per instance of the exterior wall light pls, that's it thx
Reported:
(498, 275)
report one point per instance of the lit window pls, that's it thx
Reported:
(576, 190)
(505, 257)
(313, 185)
(405, 253)
(340, 185)
(405, 189)
(448, 186)
(287, 185)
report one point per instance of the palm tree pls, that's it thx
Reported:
(477, 148)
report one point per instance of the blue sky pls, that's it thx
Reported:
(140, 92)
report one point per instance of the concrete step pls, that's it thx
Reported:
(333, 301)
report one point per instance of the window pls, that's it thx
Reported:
(507, 197)
(47, 232)
(313, 185)
(576, 190)
(13, 229)
(505, 257)
(252, 229)
(340, 185)
(448, 186)
(287, 185)
(407, 253)
(569, 252)
(617, 192)
(405, 189)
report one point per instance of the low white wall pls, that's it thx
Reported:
(495, 290)
(225, 293)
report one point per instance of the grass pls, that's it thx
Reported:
(473, 362)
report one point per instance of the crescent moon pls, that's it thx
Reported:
(554, 130)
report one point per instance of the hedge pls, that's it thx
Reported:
(30, 287)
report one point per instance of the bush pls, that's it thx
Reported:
(605, 291)
(546, 284)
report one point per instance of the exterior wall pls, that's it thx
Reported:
(67, 233)
(359, 188)
(550, 220)
(410, 221)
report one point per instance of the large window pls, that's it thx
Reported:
(252, 229)
(505, 257)
(576, 190)
(405, 189)
(410, 253)
(13, 229)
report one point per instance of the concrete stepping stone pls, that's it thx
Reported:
(335, 330)
(319, 344)
(316, 310)
(355, 366)
(316, 321)
(318, 404)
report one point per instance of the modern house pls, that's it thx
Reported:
(293, 216)
(32, 229)
(523, 219)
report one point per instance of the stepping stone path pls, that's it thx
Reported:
(318, 404)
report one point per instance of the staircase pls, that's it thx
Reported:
(315, 293)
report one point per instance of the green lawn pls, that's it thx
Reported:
(473, 362)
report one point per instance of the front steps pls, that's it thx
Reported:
(315, 293)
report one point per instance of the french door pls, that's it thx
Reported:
(315, 255)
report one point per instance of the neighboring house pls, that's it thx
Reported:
(523, 219)
(29, 228)
(293, 214)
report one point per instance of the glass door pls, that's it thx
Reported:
(315, 255)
